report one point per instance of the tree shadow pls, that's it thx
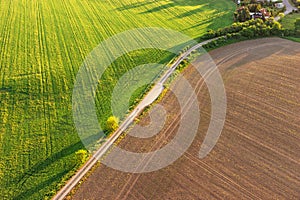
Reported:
(189, 2)
(219, 19)
(204, 4)
(71, 149)
(135, 5)
(22, 178)
(252, 55)
(207, 21)
(158, 8)
(191, 12)
(171, 3)
(28, 193)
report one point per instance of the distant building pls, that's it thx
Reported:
(265, 12)
(262, 14)
(279, 5)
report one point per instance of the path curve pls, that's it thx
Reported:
(289, 7)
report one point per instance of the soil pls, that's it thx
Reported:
(258, 153)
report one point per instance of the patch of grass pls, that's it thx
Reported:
(288, 21)
(43, 44)
(295, 39)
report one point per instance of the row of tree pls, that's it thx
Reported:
(247, 30)
(258, 27)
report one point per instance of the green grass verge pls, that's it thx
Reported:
(43, 44)
(295, 39)
(288, 21)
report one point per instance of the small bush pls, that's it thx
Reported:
(81, 156)
(112, 124)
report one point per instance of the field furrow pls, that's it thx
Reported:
(257, 154)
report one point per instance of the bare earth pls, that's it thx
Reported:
(258, 153)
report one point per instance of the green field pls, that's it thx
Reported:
(42, 45)
(288, 21)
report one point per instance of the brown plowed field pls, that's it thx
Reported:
(258, 153)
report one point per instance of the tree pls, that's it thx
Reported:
(209, 34)
(281, 15)
(243, 14)
(248, 32)
(112, 124)
(81, 155)
(254, 7)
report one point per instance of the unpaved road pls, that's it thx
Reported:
(289, 7)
